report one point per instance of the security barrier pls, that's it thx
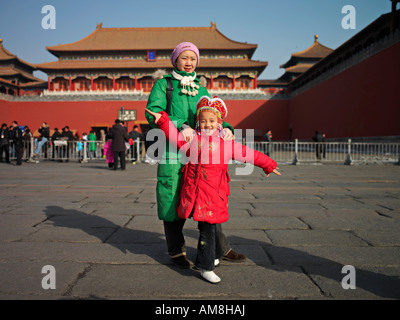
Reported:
(82, 151)
(290, 152)
(349, 152)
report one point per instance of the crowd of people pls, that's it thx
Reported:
(18, 142)
(14, 135)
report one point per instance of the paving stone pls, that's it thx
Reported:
(100, 230)
(370, 282)
(314, 238)
(255, 283)
(358, 223)
(264, 223)
(380, 238)
(25, 278)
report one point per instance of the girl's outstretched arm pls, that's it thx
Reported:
(172, 134)
(246, 154)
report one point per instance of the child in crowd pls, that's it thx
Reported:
(108, 153)
(205, 183)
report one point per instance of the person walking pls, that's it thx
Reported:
(55, 137)
(92, 145)
(4, 142)
(183, 89)
(135, 135)
(268, 140)
(319, 139)
(119, 137)
(26, 142)
(16, 137)
(68, 136)
(107, 152)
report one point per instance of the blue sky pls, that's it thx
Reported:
(279, 28)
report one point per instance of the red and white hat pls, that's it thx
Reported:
(215, 104)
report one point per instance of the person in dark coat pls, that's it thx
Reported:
(119, 137)
(56, 149)
(268, 139)
(4, 142)
(16, 136)
(26, 141)
(134, 135)
(68, 136)
(318, 137)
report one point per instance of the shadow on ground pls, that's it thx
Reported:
(313, 266)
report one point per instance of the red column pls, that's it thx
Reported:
(234, 82)
(136, 83)
(70, 83)
(255, 83)
(114, 83)
(212, 82)
(91, 83)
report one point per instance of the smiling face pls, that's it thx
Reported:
(208, 122)
(187, 61)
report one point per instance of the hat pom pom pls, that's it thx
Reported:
(184, 91)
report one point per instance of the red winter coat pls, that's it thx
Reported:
(205, 181)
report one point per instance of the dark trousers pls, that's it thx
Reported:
(6, 150)
(18, 153)
(121, 155)
(176, 242)
(208, 246)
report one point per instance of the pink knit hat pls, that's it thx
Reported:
(183, 47)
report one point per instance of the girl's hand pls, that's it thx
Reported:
(188, 134)
(228, 135)
(276, 172)
(156, 116)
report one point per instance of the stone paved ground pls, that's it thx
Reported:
(98, 229)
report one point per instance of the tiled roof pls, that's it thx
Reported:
(9, 71)
(264, 82)
(6, 55)
(131, 39)
(142, 64)
(4, 81)
(299, 68)
(316, 50)
(39, 83)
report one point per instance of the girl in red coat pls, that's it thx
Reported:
(205, 183)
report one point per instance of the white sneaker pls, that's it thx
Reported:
(216, 262)
(210, 276)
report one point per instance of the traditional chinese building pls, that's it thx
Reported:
(16, 75)
(298, 63)
(113, 59)
(351, 92)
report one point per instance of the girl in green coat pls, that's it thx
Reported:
(185, 94)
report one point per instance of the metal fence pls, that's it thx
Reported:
(348, 152)
(82, 151)
(290, 152)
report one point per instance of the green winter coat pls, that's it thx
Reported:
(183, 110)
(92, 145)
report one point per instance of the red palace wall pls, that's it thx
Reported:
(78, 115)
(82, 115)
(363, 101)
(260, 115)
